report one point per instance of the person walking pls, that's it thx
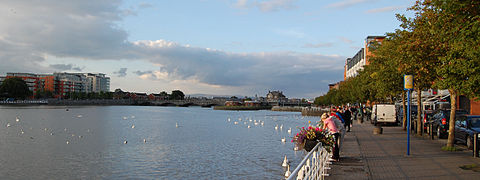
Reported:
(328, 123)
(347, 116)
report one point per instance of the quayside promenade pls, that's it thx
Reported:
(369, 156)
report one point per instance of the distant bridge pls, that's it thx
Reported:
(183, 103)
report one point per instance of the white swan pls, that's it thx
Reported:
(17, 119)
(285, 161)
(8, 124)
(283, 139)
(288, 173)
(276, 127)
(133, 126)
(176, 124)
(289, 131)
(248, 126)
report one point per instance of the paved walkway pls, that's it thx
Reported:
(369, 156)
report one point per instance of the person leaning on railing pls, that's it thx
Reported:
(329, 123)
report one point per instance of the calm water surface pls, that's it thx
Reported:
(89, 143)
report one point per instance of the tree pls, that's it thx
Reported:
(15, 88)
(177, 95)
(455, 27)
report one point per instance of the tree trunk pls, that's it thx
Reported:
(404, 111)
(419, 112)
(451, 125)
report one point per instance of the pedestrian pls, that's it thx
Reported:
(329, 124)
(347, 116)
(340, 126)
(334, 112)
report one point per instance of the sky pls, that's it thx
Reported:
(215, 47)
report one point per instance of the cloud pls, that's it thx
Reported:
(144, 5)
(386, 9)
(122, 72)
(319, 45)
(347, 3)
(267, 5)
(346, 40)
(77, 30)
(152, 75)
(291, 33)
(65, 67)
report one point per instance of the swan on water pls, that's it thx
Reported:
(288, 173)
(248, 126)
(133, 126)
(144, 140)
(176, 125)
(289, 131)
(8, 124)
(283, 139)
(285, 161)
(17, 119)
(276, 127)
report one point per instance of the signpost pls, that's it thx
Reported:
(408, 86)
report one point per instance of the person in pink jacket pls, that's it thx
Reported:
(328, 123)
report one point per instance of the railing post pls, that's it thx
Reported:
(475, 145)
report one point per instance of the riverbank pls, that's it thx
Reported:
(287, 108)
(242, 108)
(313, 111)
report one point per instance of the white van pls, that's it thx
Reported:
(384, 114)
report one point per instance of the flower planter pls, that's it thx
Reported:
(310, 144)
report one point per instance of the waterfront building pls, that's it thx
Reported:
(2, 78)
(233, 103)
(61, 84)
(361, 58)
(252, 103)
(276, 96)
(97, 82)
(70, 83)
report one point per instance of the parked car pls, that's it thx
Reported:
(465, 128)
(427, 118)
(440, 121)
(413, 111)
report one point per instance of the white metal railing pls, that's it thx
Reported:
(25, 102)
(313, 166)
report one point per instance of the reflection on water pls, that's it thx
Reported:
(98, 142)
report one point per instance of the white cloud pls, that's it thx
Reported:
(318, 45)
(347, 3)
(346, 40)
(33, 31)
(266, 5)
(386, 9)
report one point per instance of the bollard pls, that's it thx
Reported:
(431, 131)
(475, 145)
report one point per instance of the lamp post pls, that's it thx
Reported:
(408, 86)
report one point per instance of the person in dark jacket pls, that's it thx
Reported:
(347, 117)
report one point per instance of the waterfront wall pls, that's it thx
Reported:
(287, 108)
(65, 102)
(242, 108)
(314, 111)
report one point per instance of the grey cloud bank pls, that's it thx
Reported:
(76, 29)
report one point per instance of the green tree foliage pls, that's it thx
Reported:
(15, 88)
(177, 95)
(455, 27)
(40, 94)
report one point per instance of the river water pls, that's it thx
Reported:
(143, 142)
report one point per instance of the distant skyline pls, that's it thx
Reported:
(225, 47)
